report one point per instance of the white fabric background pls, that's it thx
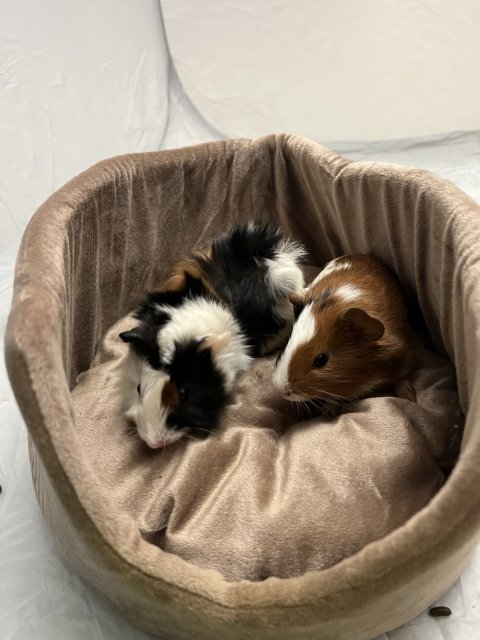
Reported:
(350, 70)
(83, 81)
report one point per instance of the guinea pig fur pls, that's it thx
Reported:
(351, 337)
(252, 270)
(182, 365)
(197, 334)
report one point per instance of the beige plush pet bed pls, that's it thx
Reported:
(284, 525)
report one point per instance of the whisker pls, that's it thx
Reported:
(204, 429)
(190, 437)
(334, 403)
(334, 395)
(324, 395)
(305, 406)
(318, 404)
(340, 401)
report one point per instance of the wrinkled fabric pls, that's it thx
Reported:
(277, 492)
(111, 234)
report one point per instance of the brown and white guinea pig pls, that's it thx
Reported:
(351, 338)
(197, 334)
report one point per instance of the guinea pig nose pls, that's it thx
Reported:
(159, 444)
(287, 389)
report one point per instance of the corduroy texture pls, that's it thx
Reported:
(114, 232)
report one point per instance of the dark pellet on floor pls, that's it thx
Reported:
(437, 612)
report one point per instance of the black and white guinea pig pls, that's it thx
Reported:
(199, 332)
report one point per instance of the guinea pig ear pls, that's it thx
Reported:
(215, 342)
(134, 336)
(297, 298)
(371, 328)
(143, 341)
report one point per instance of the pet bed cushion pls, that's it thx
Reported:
(113, 233)
(276, 492)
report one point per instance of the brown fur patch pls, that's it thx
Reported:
(170, 395)
(176, 281)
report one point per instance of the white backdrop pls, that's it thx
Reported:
(348, 70)
(83, 81)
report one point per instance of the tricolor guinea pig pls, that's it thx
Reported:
(351, 338)
(182, 364)
(197, 335)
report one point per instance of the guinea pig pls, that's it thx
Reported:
(198, 333)
(351, 338)
(251, 270)
(181, 366)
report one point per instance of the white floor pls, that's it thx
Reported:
(40, 598)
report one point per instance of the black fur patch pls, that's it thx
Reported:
(193, 289)
(297, 310)
(325, 298)
(143, 339)
(237, 272)
(195, 372)
(280, 354)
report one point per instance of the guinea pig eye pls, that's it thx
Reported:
(182, 394)
(320, 360)
(138, 389)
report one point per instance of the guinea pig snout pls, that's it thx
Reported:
(285, 388)
(164, 441)
(280, 379)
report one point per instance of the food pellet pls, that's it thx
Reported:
(437, 612)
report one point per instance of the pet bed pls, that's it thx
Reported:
(113, 233)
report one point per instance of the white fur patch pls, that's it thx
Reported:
(201, 317)
(146, 410)
(303, 331)
(285, 276)
(337, 264)
(348, 292)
